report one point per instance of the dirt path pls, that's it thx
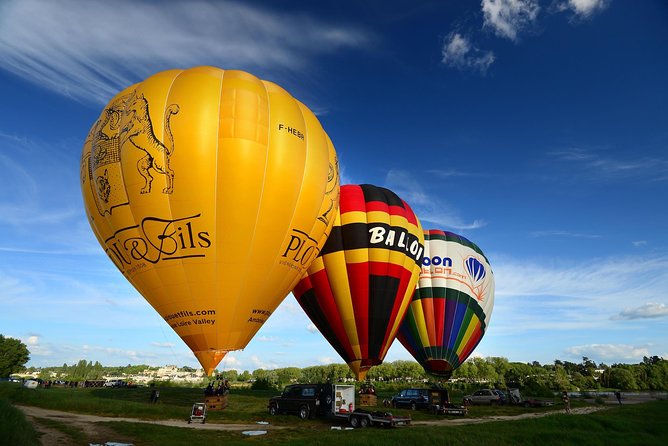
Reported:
(461, 421)
(98, 433)
(95, 432)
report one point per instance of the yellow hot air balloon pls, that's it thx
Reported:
(212, 191)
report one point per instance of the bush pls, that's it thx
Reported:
(264, 384)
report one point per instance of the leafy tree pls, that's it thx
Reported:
(230, 375)
(560, 380)
(622, 378)
(587, 367)
(244, 376)
(13, 356)
(657, 377)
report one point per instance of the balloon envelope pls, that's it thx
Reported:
(212, 191)
(451, 306)
(358, 289)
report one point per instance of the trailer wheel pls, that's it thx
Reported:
(355, 422)
(527, 404)
(304, 412)
(413, 405)
(273, 410)
(364, 422)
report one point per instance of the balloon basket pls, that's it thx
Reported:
(218, 402)
(367, 400)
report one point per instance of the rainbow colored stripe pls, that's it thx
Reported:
(451, 306)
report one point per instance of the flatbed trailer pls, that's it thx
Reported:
(343, 409)
(441, 405)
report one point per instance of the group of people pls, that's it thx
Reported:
(217, 387)
(367, 389)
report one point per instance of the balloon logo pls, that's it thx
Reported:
(212, 191)
(475, 269)
(358, 289)
(451, 306)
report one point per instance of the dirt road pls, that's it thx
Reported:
(89, 424)
(98, 433)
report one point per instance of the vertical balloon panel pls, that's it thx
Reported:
(208, 190)
(452, 304)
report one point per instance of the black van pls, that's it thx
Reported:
(412, 398)
(305, 400)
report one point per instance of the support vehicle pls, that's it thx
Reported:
(485, 396)
(336, 401)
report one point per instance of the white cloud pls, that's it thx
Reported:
(458, 52)
(615, 352)
(648, 311)
(508, 17)
(560, 233)
(262, 364)
(594, 280)
(429, 209)
(230, 362)
(266, 338)
(638, 243)
(583, 8)
(312, 328)
(326, 360)
(613, 167)
(163, 344)
(567, 296)
(90, 50)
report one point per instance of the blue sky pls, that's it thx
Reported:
(537, 129)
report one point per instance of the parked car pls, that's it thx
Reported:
(485, 396)
(412, 398)
(32, 383)
(305, 400)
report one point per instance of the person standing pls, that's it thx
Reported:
(618, 395)
(567, 401)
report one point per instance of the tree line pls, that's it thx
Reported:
(535, 378)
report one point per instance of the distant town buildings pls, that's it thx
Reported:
(166, 373)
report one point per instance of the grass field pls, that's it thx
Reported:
(641, 424)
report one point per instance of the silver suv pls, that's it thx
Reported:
(484, 396)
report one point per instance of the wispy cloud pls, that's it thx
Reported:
(271, 339)
(582, 9)
(561, 233)
(655, 169)
(573, 296)
(590, 281)
(428, 208)
(507, 18)
(650, 310)
(459, 52)
(90, 50)
(163, 344)
(610, 351)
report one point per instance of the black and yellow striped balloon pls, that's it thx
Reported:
(358, 289)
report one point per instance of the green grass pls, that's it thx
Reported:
(643, 424)
(14, 428)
